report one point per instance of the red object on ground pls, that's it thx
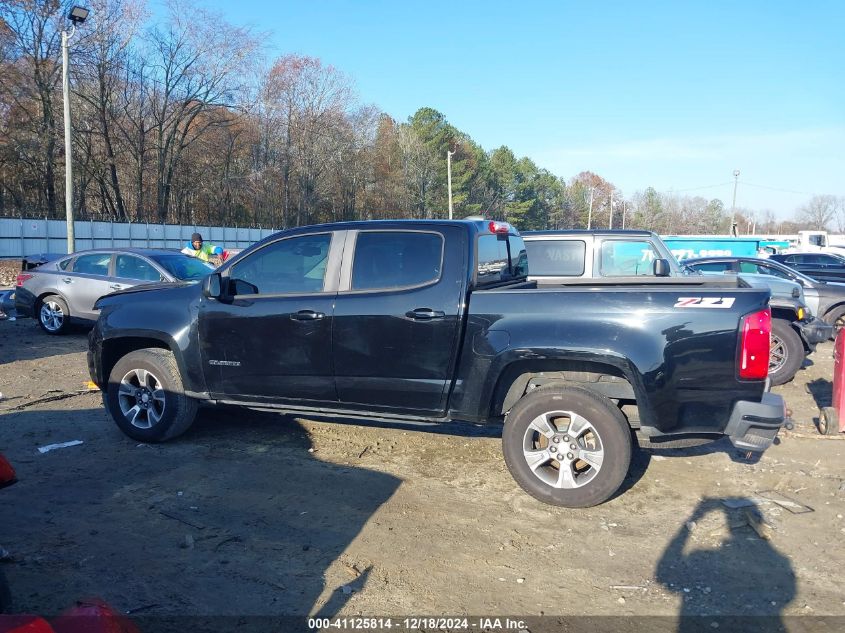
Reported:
(7, 475)
(839, 379)
(24, 624)
(93, 616)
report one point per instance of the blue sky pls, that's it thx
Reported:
(674, 95)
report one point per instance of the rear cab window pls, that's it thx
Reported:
(500, 258)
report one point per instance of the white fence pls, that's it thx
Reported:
(19, 237)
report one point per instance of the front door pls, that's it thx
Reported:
(397, 320)
(271, 341)
(88, 281)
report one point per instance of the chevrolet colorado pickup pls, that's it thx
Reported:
(436, 321)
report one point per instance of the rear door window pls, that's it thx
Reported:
(396, 259)
(94, 264)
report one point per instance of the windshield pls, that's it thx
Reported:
(184, 267)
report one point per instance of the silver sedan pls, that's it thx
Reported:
(64, 290)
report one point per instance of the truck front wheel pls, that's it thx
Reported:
(567, 446)
(145, 396)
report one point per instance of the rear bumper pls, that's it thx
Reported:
(24, 302)
(814, 331)
(754, 425)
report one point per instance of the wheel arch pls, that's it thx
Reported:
(603, 379)
(116, 348)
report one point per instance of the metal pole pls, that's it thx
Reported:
(590, 213)
(733, 204)
(449, 180)
(71, 246)
(623, 215)
(610, 223)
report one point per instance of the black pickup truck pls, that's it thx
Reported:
(435, 321)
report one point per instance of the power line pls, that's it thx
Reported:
(721, 184)
(804, 193)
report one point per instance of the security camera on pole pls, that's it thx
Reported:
(77, 15)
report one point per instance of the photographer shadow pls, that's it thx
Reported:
(742, 581)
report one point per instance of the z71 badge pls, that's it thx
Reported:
(705, 302)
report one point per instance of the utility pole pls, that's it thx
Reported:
(76, 16)
(610, 223)
(71, 244)
(590, 213)
(623, 215)
(733, 204)
(449, 179)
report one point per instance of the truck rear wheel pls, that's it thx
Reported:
(567, 446)
(145, 396)
(786, 354)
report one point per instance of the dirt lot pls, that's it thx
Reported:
(259, 514)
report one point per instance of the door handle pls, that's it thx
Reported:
(307, 315)
(425, 314)
(115, 286)
(67, 280)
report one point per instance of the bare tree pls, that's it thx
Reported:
(103, 58)
(819, 212)
(29, 84)
(196, 65)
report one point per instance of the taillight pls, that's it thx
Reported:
(755, 344)
(498, 227)
(7, 473)
(22, 277)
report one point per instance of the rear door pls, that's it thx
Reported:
(272, 340)
(397, 318)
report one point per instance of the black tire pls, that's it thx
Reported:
(608, 424)
(165, 412)
(828, 421)
(53, 314)
(836, 318)
(787, 352)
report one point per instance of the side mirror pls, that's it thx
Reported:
(214, 286)
(661, 268)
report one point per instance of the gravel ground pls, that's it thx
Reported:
(259, 514)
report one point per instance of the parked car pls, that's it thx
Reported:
(795, 330)
(821, 266)
(825, 299)
(64, 290)
(432, 321)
